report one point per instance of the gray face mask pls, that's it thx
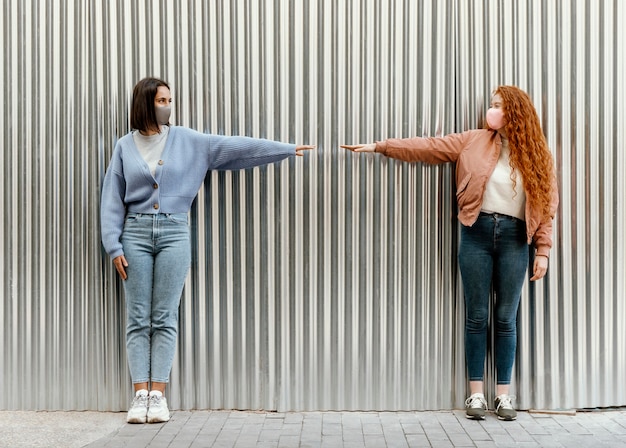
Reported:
(163, 114)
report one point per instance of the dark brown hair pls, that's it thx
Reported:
(142, 114)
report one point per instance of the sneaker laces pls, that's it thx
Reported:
(504, 401)
(139, 400)
(155, 400)
(476, 401)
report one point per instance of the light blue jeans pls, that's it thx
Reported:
(158, 253)
(493, 254)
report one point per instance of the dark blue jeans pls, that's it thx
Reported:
(493, 253)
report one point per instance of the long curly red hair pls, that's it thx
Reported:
(529, 149)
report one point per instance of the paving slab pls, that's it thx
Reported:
(241, 429)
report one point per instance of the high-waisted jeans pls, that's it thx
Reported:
(493, 252)
(158, 253)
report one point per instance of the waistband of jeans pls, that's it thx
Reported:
(155, 215)
(499, 215)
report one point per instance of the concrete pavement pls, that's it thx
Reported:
(56, 429)
(196, 429)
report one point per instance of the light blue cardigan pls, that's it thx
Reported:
(130, 188)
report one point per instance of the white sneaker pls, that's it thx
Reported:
(504, 407)
(138, 408)
(157, 409)
(475, 407)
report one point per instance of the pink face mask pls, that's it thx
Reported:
(495, 118)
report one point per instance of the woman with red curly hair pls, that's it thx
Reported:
(507, 196)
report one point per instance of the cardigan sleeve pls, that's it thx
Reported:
(112, 206)
(235, 153)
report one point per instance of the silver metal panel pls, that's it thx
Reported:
(323, 282)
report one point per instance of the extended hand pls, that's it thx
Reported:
(369, 147)
(300, 149)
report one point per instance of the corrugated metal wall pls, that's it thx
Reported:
(330, 281)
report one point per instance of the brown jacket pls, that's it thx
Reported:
(476, 153)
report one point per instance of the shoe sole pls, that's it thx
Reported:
(507, 419)
(475, 417)
(158, 420)
(136, 420)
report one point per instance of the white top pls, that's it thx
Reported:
(500, 197)
(151, 146)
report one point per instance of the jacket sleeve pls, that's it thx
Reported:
(431, 150)
(112, 206)
(543, 236)
(235, 153)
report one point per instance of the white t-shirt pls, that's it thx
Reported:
(151, 146)
(500, 197)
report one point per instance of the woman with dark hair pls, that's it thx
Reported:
(507, 196)
(154, 175)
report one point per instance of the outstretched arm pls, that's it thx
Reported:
(367, 147)
(234, 153)
(417, 149)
